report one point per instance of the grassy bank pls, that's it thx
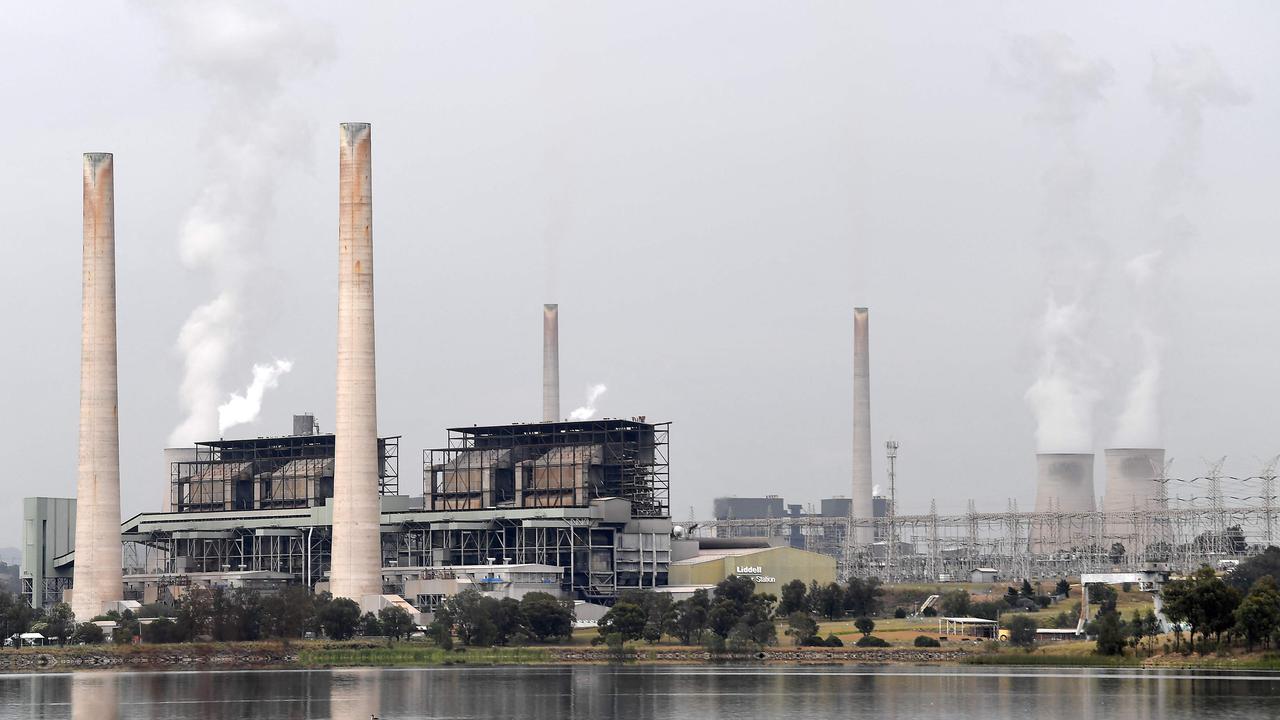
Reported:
(417, 655)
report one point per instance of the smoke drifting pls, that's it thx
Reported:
(588, 411)
(242, 53)
(244, 408)
(1063, 87)
(1183, 86)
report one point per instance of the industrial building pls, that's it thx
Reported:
(48, 541)
(707, 561)
(587, 498)
(827, 539)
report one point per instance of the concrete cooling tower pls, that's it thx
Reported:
(1064, 482)
(1132, 475)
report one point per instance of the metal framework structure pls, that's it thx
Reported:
(555, 464)
(294, 471)
(1210, 519)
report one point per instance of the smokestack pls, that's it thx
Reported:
(862, 486)
(1064, 482)
(98, 579)
(356, 571)
(550, 363)
(1131, 479)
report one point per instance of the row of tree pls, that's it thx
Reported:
(735, 617)
(476, 619)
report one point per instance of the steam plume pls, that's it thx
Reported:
(1063, 87)
(588, 411)
(242, 53)
(244, 408)
(1183, 86)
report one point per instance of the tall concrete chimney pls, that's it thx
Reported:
(550, 363)
(356, 570)
(862, 484)
(98, 579)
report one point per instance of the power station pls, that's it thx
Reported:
(584, 503)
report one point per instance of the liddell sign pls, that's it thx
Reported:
(755, 572)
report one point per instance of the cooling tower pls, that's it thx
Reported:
(1131, 478)
(1064, 482)
(550, 363)
(356, 571)
(862, 485)
(97, 579)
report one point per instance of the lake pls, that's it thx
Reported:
(658, 692)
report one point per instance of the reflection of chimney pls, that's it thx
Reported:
(861, 505)
(357, 545)
(98, 578)
(550, 363)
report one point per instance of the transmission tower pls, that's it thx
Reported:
(891, 544)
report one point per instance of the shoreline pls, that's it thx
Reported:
(353, 654)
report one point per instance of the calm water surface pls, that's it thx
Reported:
(674, 693)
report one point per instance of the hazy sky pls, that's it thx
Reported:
(706, 188)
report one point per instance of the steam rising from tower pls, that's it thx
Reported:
(550, 363)
(861, 505)
(98, 579)
(357, 543)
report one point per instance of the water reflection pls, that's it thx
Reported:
(643, 693)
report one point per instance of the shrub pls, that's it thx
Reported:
(926, 641)
(871, 641)
(833, 641)
(930, 612)
(899, 613)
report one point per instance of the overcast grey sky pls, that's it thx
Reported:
(706, 188)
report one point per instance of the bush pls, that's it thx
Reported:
(833, 641)
(926, 641)
(1044, 601)
(88, 634)
(871, 641)
(930, 612)
(899, 613)
(865, 625)
(1022, 631)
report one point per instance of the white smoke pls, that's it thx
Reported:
(1183, 86)
(242, 53)
(1063, 87)
(241, 409)
(588, 411)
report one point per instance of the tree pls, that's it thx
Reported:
(865, 625)
(88, 634)
(626, 619)
(396, 622)
(863, 596)
(161, 631)
(955, 603)
(15, 615)
(60, 622)
(1026, 591)
(339, 618)
(1011, 597)
(801, 627)
(1022, 631)
(1204, 601)
(1258, 616)
(1109, 629)
(547, 617)
(471, 619)
(691, 617)
(830, 601)
(369, 625)
(1117, 552)
(794, 598)
(1102, 594)
(1063, 588)
(509, 622)
(1250, 570)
